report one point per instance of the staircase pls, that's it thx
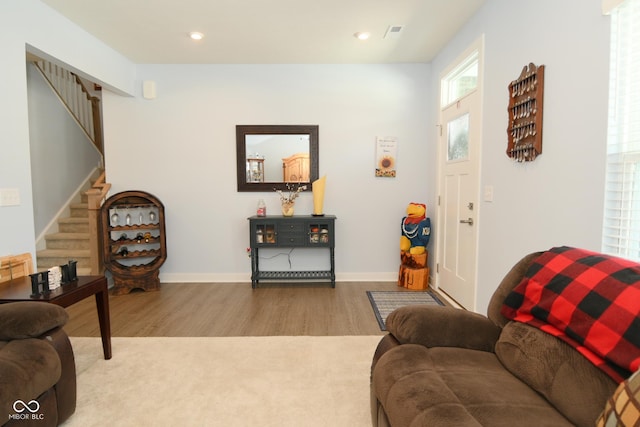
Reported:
(72, 241)
(77, 236)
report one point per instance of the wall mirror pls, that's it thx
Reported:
(270, 156)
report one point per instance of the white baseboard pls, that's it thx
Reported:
(367, 277)
(246, 277)
(204, 278)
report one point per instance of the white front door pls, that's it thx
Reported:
(458, 219)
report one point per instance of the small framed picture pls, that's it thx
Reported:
(386, 150)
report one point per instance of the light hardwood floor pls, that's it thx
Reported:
(235, 309)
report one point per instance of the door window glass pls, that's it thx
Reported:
(458, 138)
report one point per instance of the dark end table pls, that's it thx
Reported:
(70, 293)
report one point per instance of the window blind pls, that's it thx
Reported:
(621, 229)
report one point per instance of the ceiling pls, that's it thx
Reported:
(270, 31)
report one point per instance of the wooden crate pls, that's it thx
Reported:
(14, 266)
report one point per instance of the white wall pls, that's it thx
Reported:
(181, 145)
(30, 24)
(62, 156)
(558, 198)
(181, 148)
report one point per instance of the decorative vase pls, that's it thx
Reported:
(317, 187)
(287, 208)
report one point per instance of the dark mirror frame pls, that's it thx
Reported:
(241, 154)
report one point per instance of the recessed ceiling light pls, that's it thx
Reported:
(196, 35)
(362, 35)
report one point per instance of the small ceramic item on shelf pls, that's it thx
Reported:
(262, 208)
(152, 216)
(288, 208)
(114, 219)
(127, 220)
(287, 199)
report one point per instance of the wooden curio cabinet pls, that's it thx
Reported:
(134, 241)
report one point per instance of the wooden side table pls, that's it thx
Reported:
(70, 293)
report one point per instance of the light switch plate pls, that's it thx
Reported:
(9, 197)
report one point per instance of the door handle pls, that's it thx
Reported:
(467, 221)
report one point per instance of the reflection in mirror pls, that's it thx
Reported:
(277, 158)
(269, 156)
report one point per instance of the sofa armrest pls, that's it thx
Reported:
(66, 385)
(29, 319)
(436, 326)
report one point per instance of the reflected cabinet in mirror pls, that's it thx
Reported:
(270, 156)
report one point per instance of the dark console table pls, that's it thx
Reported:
(303, 231)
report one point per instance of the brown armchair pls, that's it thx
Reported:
(37, 367)
(442, 366)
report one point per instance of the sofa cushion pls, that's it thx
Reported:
(29, 319)
(590, 300)
(554, 369)
(623, 408)
(27, 368)
(446, 386)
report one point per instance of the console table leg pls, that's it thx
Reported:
(254, 268)
(333, 266)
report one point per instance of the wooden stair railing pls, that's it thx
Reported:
(84, 107)
(96, 195)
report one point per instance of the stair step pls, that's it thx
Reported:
(73, 225)
(67, 241)
(79, 210)
(48, 258)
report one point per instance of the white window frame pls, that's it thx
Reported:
(621, 226)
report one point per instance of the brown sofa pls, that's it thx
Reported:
(37, 367)
(441, 366)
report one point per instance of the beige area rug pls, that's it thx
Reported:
(236, 381)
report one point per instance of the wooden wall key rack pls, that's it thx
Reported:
(525, 114)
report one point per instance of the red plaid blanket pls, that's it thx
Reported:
(587, 299)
